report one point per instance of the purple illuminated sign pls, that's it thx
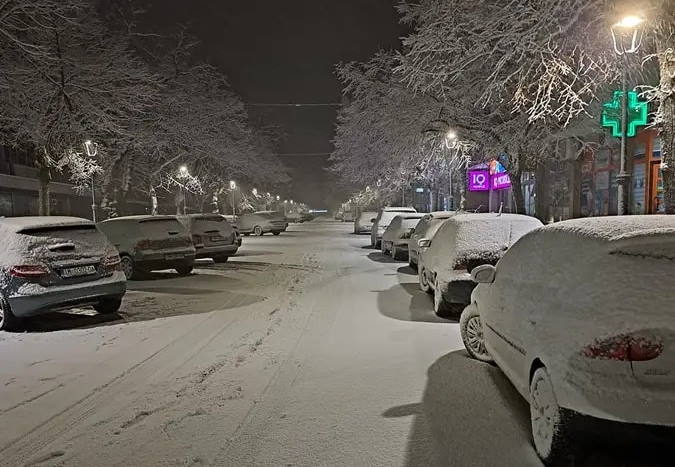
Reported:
(501, 181)
(479, 180)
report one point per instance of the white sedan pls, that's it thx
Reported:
(579, 316)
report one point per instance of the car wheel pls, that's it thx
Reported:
(397, 253)
(221, 259)
(184, 269)
(424, 283)
(471, 329)
(128, 267)
(107, 306)
(550, 423)
(8, 322)
(258, 231)
(276, 233)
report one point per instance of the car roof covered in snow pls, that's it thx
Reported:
(17, 224)
(139, 218)
(615, 228)
(411, 215)
(492, 216)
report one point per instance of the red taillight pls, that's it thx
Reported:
(143, 244)
(29, 271)
(625, 347)
(458, 266)
(112, 263)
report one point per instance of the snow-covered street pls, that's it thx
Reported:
(305, 349)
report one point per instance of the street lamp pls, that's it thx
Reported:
(183, 173)
(233, 186)
(627, 37)
(92, 149)
(255, 192)
(450, 139)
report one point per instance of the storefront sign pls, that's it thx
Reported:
(479, 180)
(501, 181)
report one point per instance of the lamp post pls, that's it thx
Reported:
(233, 186)
(184, 173)
(91, 150)
(627, 37)
(450, 144)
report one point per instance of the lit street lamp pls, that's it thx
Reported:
(627, 37)
(184, 173)
(233, 186)
(92, 149)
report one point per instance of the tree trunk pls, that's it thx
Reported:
(667, 129)
(517, 191)
(44, 195)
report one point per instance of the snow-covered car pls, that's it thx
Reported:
(384, 217)
(395, 237)
(463, 242)
(262, 222)
(348, 216)
(572, 316)
(148, 243)
(51, 263)
(425, 228)
(364, 222)
(212, 236)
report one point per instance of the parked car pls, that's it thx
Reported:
(425, 228)
(51, 263)
(571, 315)
(148, 243)
(364, 222)
(262, 222)
(395, 237)
(212, 236)
(463, 242)
(348, 216)
(381, 222)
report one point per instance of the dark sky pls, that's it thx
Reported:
(281, 51)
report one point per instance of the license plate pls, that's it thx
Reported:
(78, 271)
(174, 256)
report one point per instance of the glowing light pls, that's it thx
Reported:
(183, 170)
(630, 22)
(233, 185)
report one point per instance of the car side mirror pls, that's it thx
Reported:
(373, 219)
(483, 274)
(424, 243)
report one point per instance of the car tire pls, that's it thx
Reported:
(258, 231)
(471, 329)
(184, 269)
(551, 432)
(276, 233)
(8, 322)
(397, 253)
(424, 283)
(107, 306)
(129, 268)
(221, 259)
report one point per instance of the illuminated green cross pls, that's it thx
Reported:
(636, 114)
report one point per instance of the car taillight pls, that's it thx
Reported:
(29, 271)
(143, 244)
(460, 266)
(625, 348)
(112, 262)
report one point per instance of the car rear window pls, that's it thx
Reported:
(160, 228)
(206, 224)
(59, 230)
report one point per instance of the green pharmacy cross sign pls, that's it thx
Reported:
(636, 114)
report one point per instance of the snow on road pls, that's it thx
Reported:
(307, 349)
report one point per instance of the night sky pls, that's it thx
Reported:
(275, 51)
